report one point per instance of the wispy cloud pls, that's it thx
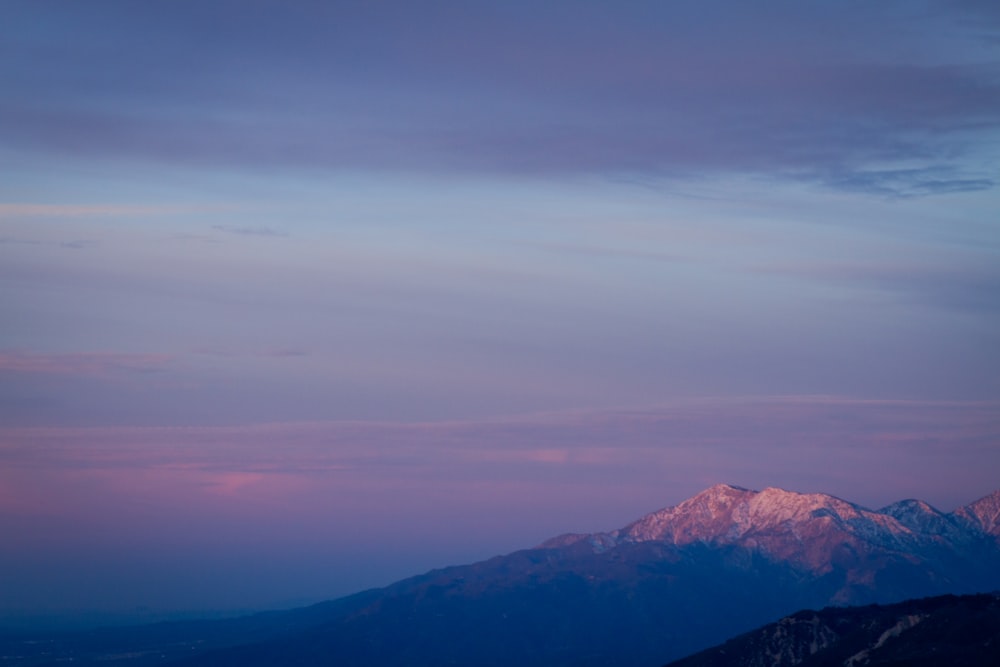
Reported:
(29, 210)
(972, 287)
(905, 183)
(250, 231)
(259, 352)
(599, 251)
(93, 364)
(76, 244)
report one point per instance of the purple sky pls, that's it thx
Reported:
(299, 298)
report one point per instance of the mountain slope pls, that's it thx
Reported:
(947, 630)
(551, 607)
(982, 515)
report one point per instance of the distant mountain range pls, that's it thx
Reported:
(948, 630)
(674, 582)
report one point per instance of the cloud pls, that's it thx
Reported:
(260, 353)
(77, 244)
(972, 287)
(634, 88)
(598, 251)
(904, 183)
(28, 210)
(90, 364)
(233, 483)
(250, 231)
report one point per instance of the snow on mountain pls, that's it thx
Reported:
(797, 527)
(983, 514)
(915, 514)
(814, 531)
(707, 517)
(923, 519)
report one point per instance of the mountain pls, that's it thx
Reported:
(982, 515)
(874, 555)
(669, 584)
(948, 630)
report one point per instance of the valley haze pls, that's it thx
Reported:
(301, 299)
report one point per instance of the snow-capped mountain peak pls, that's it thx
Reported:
(983, 514)
(812, 532)
(727, 514)
(773, 507)
(923, 519)
(704, 517)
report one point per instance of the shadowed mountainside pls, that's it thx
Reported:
(948, 630)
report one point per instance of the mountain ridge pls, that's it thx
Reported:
(799, 527)
(983, 513)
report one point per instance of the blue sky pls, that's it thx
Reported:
(218, 216)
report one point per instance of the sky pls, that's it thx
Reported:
(302, 298)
